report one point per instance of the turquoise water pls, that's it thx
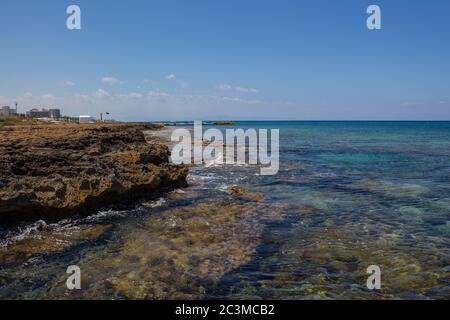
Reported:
(348, 195)
(381, 195)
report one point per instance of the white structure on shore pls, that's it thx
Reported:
(7, 111)
(86, 119)
(44, 113)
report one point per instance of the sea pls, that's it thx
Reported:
(348, 196)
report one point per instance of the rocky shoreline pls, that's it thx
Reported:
(57, 170)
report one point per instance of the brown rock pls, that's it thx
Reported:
(241, 193)
(51, 170)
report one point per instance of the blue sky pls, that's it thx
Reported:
(235, 59)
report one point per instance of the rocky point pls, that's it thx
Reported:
(60, 169)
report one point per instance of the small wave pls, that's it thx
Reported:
(23, 233)
(202, 177)
(67, 225)
(223, 187)
(102, 215)
(108, 214)
(156, 204)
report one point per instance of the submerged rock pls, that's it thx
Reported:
(241, 193)
(182, 253)
(445, 228)
(411, 213)
(45, 240)
(389, 189)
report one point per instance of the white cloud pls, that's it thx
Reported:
(132, 95)
(84, 97)
(412, 103)
(158, 94)
(171, 77)
(48, 96)
(4, 100)
(149, 105)
(111, 81)
(227, 87)
(184, 84)
(69, 83)
(234, 99)
(246, 90)
(100, 93)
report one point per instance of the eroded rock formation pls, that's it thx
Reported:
(53, 170)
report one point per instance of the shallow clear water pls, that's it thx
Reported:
(348, 195)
